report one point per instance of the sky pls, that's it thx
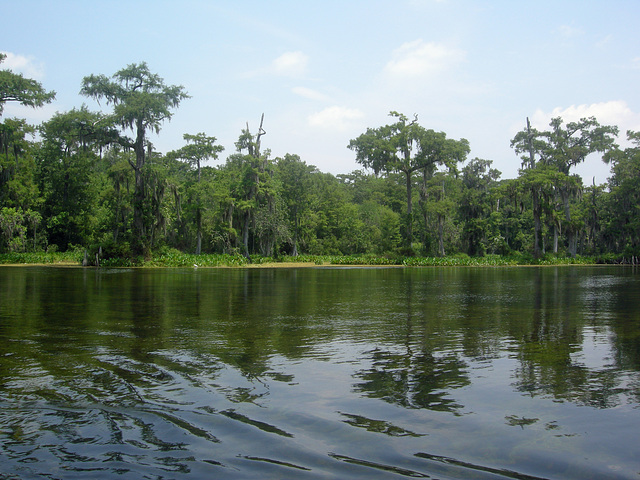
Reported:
(322, 72)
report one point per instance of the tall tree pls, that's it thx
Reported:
(396, 147)
(380, 201)
(15, 88)
(18, 190)
(119, 197)
(18, 187)
(141, 102)
(527, 143)
(69, 164)
(593, 206)
(622, 226)
(252, 187)
(199, 149)
(439, 151)
(567, 146)
(478, 179)
(19, 194)
(295, 180)
(334, 218)
(562, 148)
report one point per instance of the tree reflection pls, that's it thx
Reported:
(550, 343)
(378, 426)
(423, 369)
(423, 380)
(625, 299)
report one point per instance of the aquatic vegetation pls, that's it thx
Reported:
(46, 258)
(172, 258)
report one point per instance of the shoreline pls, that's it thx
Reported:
(180, 260)
(281, 265)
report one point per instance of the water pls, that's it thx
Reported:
(455, 373)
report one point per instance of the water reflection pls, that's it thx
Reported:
(326, 373)
(551, 343)
(413, 380)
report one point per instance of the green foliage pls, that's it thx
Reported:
(15, 224)
(619, 225)
(476, 207)
(295, 179)
(18, 186)
(140, 98)
(406, 147)
(175, 258)
(199, 149)
(15, 88)
(85, 182)
(172, 258)
(71, 257)
(141, 102)
(547, 160)
(71, 174)
(460, 261)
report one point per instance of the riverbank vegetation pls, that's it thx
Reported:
(88, 187)
(177, 259)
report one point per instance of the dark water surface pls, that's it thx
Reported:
(456, 373)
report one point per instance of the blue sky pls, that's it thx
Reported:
(322, 72)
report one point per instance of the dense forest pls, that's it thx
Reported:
(92, 181)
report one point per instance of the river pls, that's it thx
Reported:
(327, 373)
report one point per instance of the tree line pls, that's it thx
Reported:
(93, 180)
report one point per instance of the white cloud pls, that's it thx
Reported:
(22, 64)
(290, 64)
(615, 112)
(420, 58)
(336, 118)
(310, 94)
(569, 31)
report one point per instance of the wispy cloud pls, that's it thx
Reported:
(605, 41)
(291, 64)
(420, 58)
(569, 31)
(336, 118)
(310, 94)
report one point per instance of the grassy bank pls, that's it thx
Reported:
(41, 258)
(178, 259)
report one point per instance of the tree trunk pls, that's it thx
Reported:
(245, 234)
(141, 244)
(572, 239)
(409, 209)
(296, 227)
(537, 223)
(424, 198)
(199, 231)
(537, 214)
(441, 235)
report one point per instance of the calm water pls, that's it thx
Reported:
(455, 373)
